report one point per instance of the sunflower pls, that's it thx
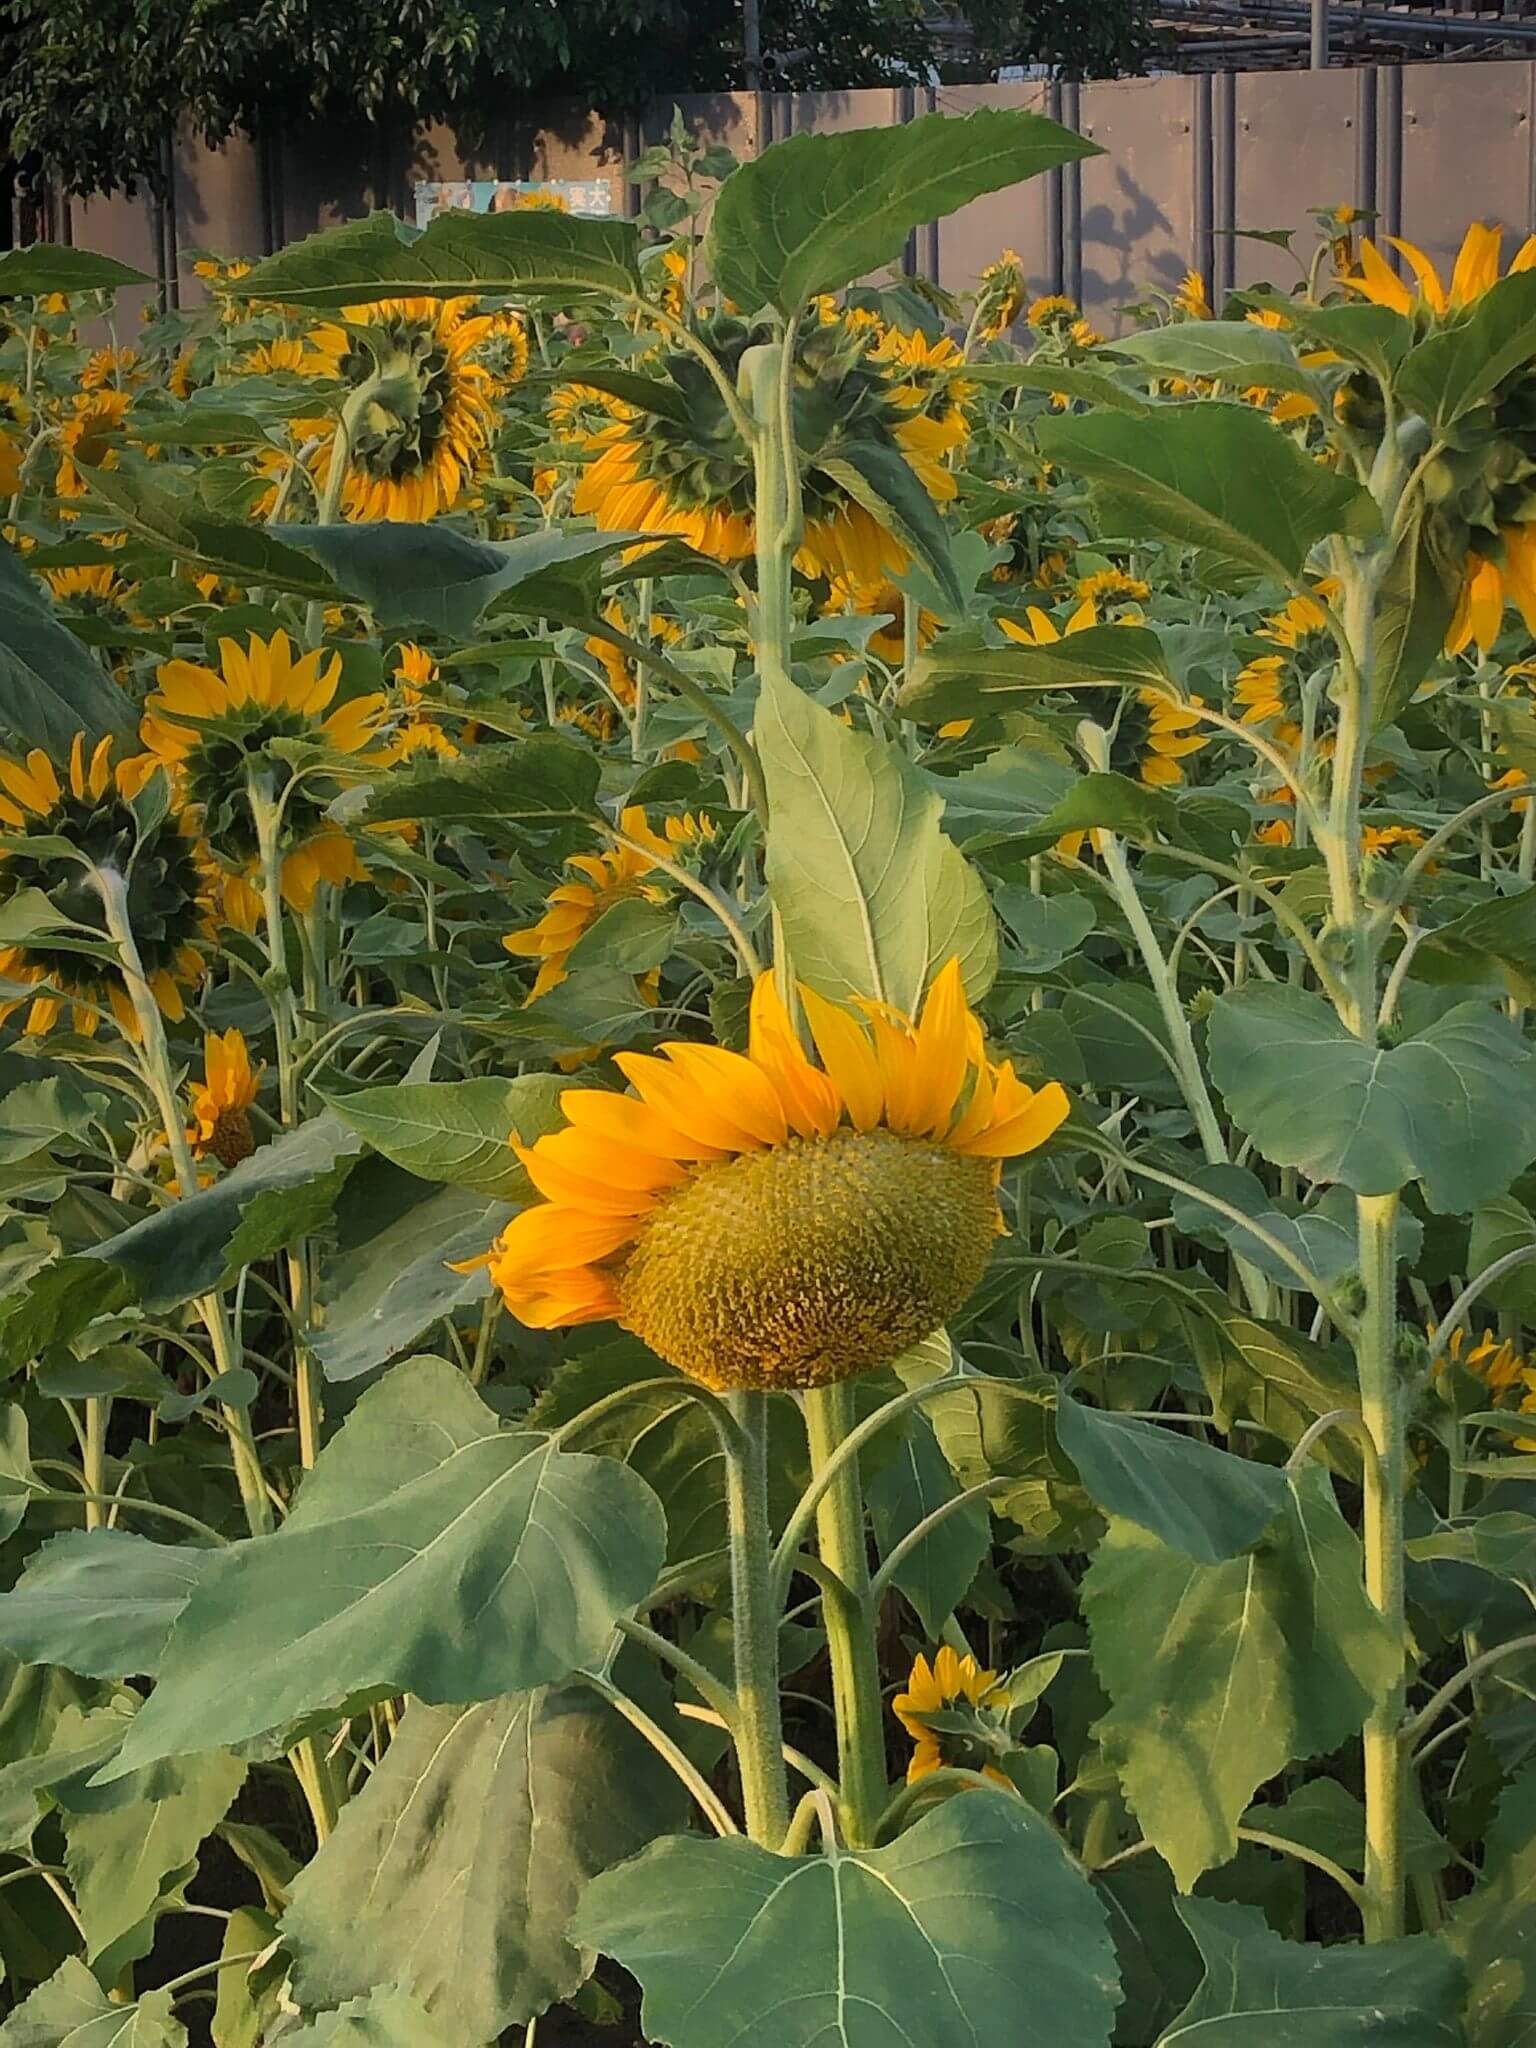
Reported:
(761, 1221)
(89, 435)
(1501, 1366)
(1110, 585)
(999, 296)
(503, 350)
(1376, 840)
(889, 642)
(614, 662)
(956, 1688)
(1260, 690)
(603, 879)
(419, 732)
(167, 884)
(285, 355)
(1489, 585)
(96, 589)
(109, 367)
(221, 1103)
(15, 407)
(656, 473)
(1192, 299)
(423, 438)
(1055, 310)
(210, 727)
(1476, 271)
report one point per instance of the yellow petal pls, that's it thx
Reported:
(848, 1056)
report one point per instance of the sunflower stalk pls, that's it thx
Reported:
(765, 370)
(759, 1729)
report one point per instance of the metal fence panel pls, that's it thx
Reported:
(1295, 148)
(1139, 199)
(1466, 143)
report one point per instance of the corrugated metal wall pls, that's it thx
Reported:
(1188, 161)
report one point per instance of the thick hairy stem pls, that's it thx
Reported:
(759, 1729)
(1381, 1402)
(850, 1623)
(776, 496)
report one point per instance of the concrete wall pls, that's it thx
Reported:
(1188, 161)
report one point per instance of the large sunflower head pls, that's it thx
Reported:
(167, 883)
(213, 728)
(760, 1220)
(423, 434)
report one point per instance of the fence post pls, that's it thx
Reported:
(1319, 35)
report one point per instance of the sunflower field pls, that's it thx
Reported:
(768, 1136)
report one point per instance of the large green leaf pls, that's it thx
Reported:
(378, 257)
(1263, 1992)
(1225, 351)
(170, 515)
(1191, 1496)
(1449, 1106)
(873, 898)
(1493, 1929)
(454, 1872)
(954, 680)
(974, 1930)
(1455, 369)
(386, 2018)
(99, 1601)
(1269, 1374)
(458, 1131)
(50, 687)
(1076, 380)
(1211, 474)
(1222, 1674)
(381, 1292)
(1501, 929)
(815, 212)
(130, 1845)
(410, 574)
(1413, 612)
(429, 1551)
(885, 484)
(71, 2010)
(44, 267)
(528, 785)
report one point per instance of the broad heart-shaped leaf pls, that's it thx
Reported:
(953, 680)
(1503, 1543)
(813, 213)
(386, 2018)
(885, 484)
(1212, 474)
(526, 786)
(458, 1131)
(1263, 1992)
(1272, 1375)
(872, 897)
(44, 267)
(381, 1293)
(453, 1873)
(1493, 1929)
(1074, 379)
(50, 687)
(409, 574)
(1226, 351)
(379, 257)
(429, 1552)
(1221, 1675)
(973, 1930)
(71, 2010)
(99, 1601)
(1204, 1502)
(1451, 1107)
(937, 1574)
(1502, 929)
(1412, 614)
(1452, 372)
(129, 1846)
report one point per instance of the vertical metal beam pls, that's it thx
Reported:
(1224, 182)
(1202, 256)
(1530, 147)
(1366, 90)
(1055, 202)
(1389, 150)
(928, 233)
(752, 44)
(1319, 35)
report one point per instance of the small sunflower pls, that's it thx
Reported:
(97, 590)
(15, 407)
(761, 1221)
(1192, 299)
(1000, 296)
(221, 1103)
(1476, 271)
(889, 642)
(90, 435)
(1054, 310)
(210, 727)
(1260, 690)
(285, 356)
(419, 731)
(603, 879)
(423, 439)
(106, 367)
(503, 349)
(1376, 840)
(614, 662)
(167, 883)
(956, 1688)
(1111, 586)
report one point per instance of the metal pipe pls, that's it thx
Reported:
(752, 43)
(1319, 35)
(1435, 28)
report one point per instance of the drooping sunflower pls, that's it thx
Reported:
(424, 436)
(97, 590)
(999, 296)
(602, 879)
(656, 473)
(762, 1221)
(503, 349)
(1112, 586)
(90, 433)
(211, 727)
(166, 876)
(888, 642)
(955, 1687)
(109, 367)
(1191, 298)
(419, 731)
(285, 355)
(222, 1101)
